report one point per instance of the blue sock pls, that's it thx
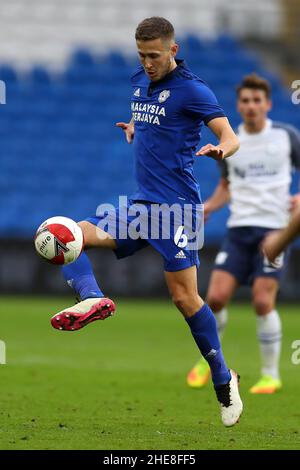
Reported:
(79, 275)
(203, 326)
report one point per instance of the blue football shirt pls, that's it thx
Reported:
(168, 116)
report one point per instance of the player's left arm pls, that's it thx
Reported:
(228, 141)
(276, 241)
(294, 136)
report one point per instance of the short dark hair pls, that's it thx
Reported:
(255, 82)
(155, 27)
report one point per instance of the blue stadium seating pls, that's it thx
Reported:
(60, 151)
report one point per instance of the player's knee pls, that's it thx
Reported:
(262, 304)
(84, 225)
(216, 301)
(86, 230)
(186, 303)
(95, 236)
(180, 300)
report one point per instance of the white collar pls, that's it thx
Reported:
(267, 127)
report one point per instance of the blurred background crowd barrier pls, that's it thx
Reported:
(66, 67)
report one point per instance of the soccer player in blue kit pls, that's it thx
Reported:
(169, 105)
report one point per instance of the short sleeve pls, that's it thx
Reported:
(201, 103)
(294, 135)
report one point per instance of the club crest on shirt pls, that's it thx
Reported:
(163, 96)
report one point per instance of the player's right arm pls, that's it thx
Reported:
(128, 128)
(276, 241)
(220, 197)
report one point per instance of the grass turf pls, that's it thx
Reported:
(120, 384)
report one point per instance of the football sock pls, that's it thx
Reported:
(79, 275)
(204, 330)
(269, 336)
(221, 318)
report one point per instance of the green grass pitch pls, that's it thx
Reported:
(120, 384)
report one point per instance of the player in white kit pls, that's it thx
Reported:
(256, 183)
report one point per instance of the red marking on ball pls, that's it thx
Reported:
(61, 232)
(59, 259)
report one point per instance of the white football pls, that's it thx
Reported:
(59, 240)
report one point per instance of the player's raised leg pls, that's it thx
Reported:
(184, 291)
(269, 334)
(221, 288)
(93, 305)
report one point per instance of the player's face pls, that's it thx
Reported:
(253, 105)
(157, 57)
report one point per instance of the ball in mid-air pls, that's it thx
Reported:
(59, 240)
